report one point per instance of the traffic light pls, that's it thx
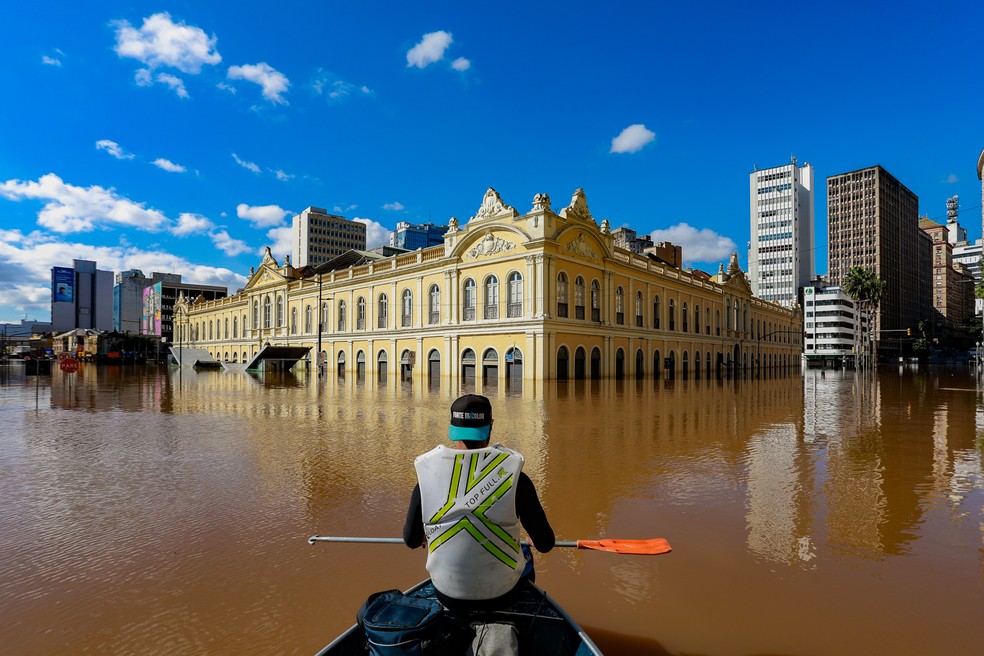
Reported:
(908, 331)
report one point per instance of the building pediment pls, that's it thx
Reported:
(581, 244)
(264, 277)
(489, 242)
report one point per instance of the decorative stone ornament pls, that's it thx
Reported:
(579, 246)
(578, 209)
(490, 245)
(492, 206)
(541, 203)
(605, 227)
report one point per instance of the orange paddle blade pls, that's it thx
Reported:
(650, 547)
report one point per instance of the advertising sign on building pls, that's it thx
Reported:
(151, 320)
(63, 284)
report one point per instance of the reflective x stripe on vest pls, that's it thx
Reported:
(493, 482)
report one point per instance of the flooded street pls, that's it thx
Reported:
(151, 512)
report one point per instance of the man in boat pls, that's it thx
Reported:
(468, 504)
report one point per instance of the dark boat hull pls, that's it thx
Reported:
(544, 627)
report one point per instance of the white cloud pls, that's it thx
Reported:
(461, 64)
(273, 82)
(228, 245)
(25, 275)
(168, 165)
(145, 78)
(113, 149)
(327, 84)
(698, 245)
(176, 84)
(262, 216)
(395, 207)
(80, 209)
(283, 176)
(376, 233)
(50, 61)
(226, 87)
(632, 139)
(245, 164)
(162, 42)
(189, 224)
(430, 49)
(952, 179)
(280, 242)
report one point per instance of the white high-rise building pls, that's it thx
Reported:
(318, 236)
(780, 252)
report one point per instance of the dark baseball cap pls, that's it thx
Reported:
(471, 418)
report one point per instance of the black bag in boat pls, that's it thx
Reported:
(396, 624)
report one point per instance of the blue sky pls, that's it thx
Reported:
(182, 136)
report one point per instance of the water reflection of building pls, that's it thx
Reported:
(506, 298)
(903, 445)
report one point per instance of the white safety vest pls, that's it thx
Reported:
(468, 505)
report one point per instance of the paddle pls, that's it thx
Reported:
(650, 547)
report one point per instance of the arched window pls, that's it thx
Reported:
(562, 294)
(672, 317)
(620, 306)
(407, 308)
(280, 310)
(638, 309)
(595, 301)
(383, 319)
(562, 363)
(293, 321)
(341, 316)
(256, 314)
(514, 302)
(579, 298)
(491, 310)
(210, 331)
(683, 314)
(235, 327)
(267, 312)
(360, 320)
(307, 319)
(655, 312)
(434, 311)
(470, 300)
(697, 319)
(717, 321)
(225, 329)
(323, 319)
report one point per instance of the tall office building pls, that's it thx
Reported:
(319, 236)
(413, 236)
(780, 253)
(953, 284)
(81, 297)
(873, 222)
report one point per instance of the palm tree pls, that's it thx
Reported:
(866, 288)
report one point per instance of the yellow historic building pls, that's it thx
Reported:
(508, 298)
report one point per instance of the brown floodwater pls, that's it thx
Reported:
(143, 511)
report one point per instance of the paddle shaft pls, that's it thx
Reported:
(325, 538)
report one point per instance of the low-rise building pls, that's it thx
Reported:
(832, 324)
(507, 298)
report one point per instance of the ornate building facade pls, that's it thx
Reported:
(508, 297)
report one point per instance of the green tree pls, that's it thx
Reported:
(979, 287)
(866, 288)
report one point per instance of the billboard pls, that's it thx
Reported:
(63, 284)
(151, 321)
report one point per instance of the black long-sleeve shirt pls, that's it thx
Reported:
(528, 508)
